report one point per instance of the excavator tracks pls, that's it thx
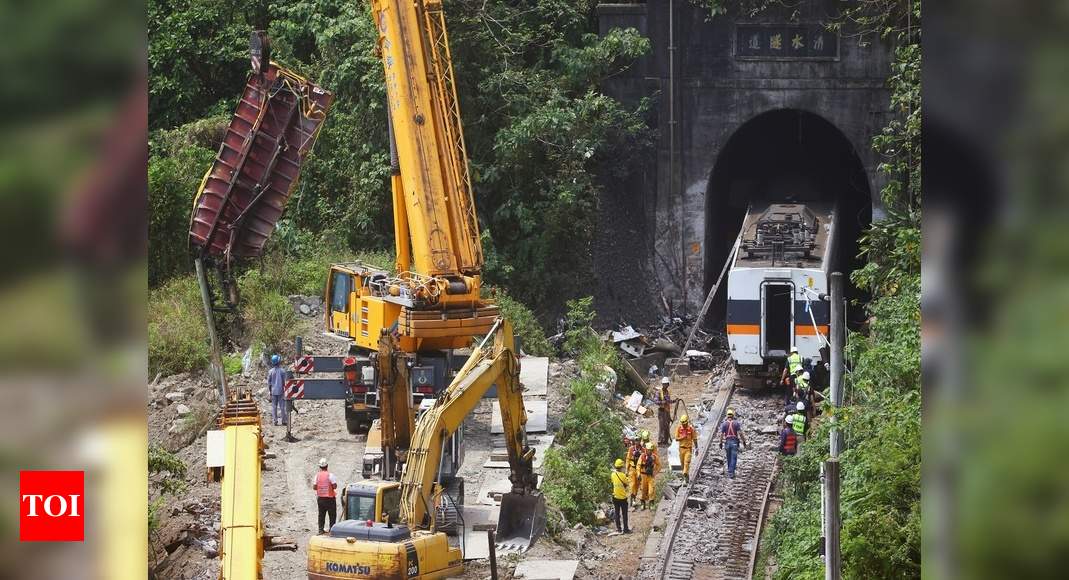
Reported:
(714, 531)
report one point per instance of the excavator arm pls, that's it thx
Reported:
(493, 362)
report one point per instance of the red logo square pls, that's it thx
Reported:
(51, 506)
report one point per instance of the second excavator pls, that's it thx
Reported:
(414, 547)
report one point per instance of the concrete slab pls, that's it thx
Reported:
(537, 416)
(534, 375)
(475, 544)
(493, 488)
(499, 455)
(546, 569)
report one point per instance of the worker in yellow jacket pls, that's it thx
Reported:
(687, 436)
(648, 466)
(620, 486)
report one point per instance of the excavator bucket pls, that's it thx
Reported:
(521, 521)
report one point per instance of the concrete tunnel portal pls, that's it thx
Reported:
(790, 155)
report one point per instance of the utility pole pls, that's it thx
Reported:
(832, 556)
(838, 336)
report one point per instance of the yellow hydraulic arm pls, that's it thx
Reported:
(494, 361)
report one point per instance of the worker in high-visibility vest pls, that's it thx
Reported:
(620, 485)
(688, 438)
(798, 421)
(648, 465)
(793, 366)
(325, 486)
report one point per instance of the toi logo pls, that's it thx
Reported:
(51, 506)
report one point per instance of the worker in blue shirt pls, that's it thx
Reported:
(276, 383)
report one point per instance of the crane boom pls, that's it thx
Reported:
(438, 213)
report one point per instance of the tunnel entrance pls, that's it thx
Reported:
(785, 155)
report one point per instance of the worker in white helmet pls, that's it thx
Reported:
(664, 401)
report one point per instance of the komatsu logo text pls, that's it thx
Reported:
(348, 568)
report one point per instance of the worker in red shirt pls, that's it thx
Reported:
(325, 486)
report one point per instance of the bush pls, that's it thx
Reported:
(524, 324)
(577, 468)
(267, 316)
(177, 336)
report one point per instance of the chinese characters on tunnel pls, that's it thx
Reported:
(809, 41)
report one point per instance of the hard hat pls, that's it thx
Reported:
(794, 348)
(323, 462)
(619, 463)
(788, 419)
(684, 419)
(805, 375)
(649, 446)
(800, 406)
(731, 412)
(664, 380)
(645, 435)
(275, 359)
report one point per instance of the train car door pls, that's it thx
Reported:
(777, 318)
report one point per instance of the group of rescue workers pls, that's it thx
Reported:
(634, 476)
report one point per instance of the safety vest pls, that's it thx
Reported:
(648, 463)
(798, 423)
(790, 443)
(619, 485)
(794, 362)
(731, 430)
(685, 435)
(801, 382)
(323, 486)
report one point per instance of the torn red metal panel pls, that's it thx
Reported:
(242, 197)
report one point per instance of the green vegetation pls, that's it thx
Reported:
(577, 467)
(166, 477)
(525, 325)
(232, 364)
(881, 416)
(177, 336)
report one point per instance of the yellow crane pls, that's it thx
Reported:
(413, 547)
(406, 324)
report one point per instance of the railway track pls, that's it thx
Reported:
(714, 525)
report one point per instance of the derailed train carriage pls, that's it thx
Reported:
(785, 257)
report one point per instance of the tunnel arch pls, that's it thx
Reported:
(784, 154)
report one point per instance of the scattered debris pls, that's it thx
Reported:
(183, 409)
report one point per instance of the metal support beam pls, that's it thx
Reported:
(209, 319)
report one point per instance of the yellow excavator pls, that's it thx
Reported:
(413, 547)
